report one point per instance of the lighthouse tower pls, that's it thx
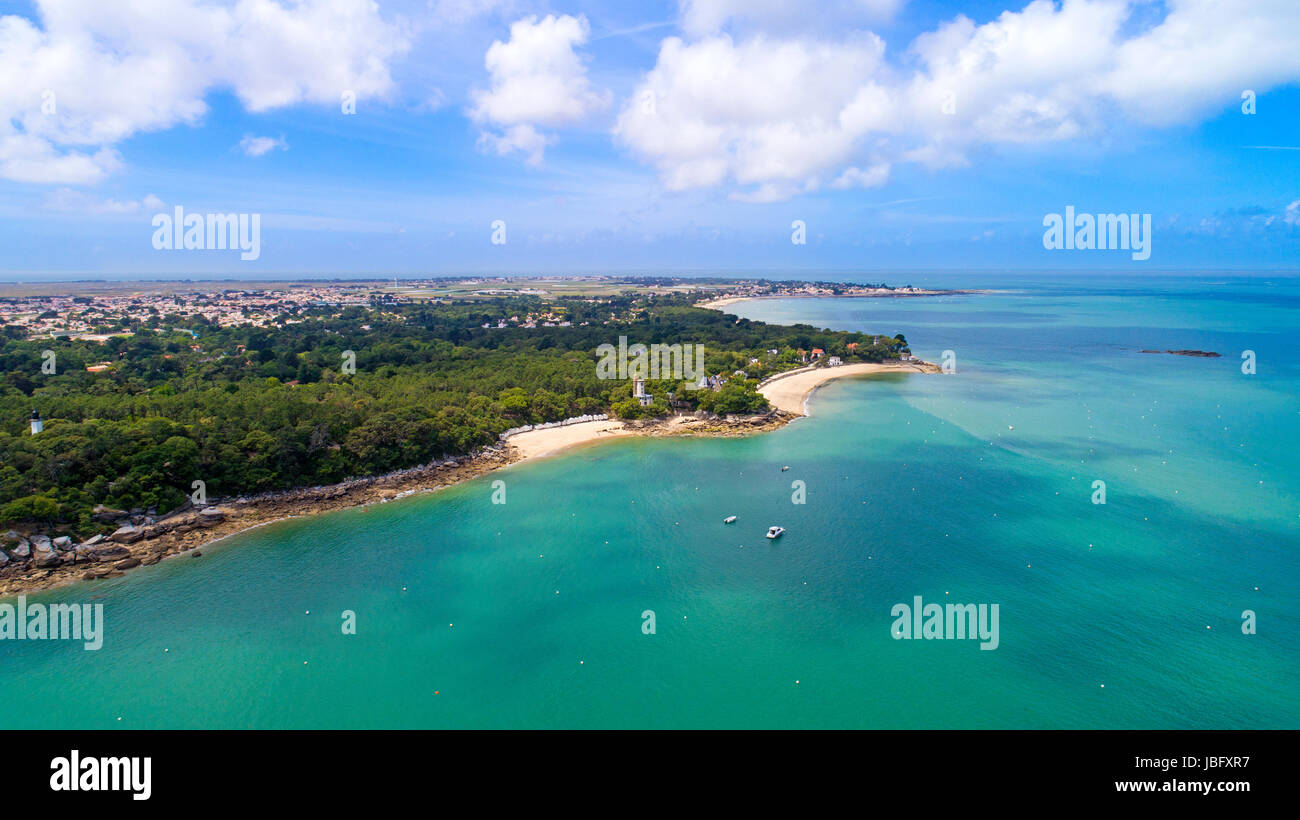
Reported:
(37, 424)
(638, 393)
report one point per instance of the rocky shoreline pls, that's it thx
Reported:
(31, 562)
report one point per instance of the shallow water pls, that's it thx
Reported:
(974, 487)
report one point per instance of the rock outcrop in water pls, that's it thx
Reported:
(1202, 353)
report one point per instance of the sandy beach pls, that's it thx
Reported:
(787, 394)
(721, 303)
(537, 443)
(790, 393)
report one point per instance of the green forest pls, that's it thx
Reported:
(328, 395)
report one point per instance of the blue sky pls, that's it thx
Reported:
(644, 137)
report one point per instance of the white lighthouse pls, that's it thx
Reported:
(638, 393)
(37, 424)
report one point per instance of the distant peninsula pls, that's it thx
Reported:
(814, 290)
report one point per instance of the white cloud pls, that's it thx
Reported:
(25, 158)
(538, 80)
(522, 138)
(1292, 216)
(936, 155)
(855, 177)
(762, 112)
(1202, 53)
(69, 200)
(96, 73)
(783, 114)
(258, 146)
(773, 191)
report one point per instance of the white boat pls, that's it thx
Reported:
(775, 532)
(729, 519)
(786, 467)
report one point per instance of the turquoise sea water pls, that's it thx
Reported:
(974, 487)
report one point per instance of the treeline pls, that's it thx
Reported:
(332, 396)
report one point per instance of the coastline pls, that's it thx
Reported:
(789, 392)
(725, 301)
(177, 535)
(539, 443)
